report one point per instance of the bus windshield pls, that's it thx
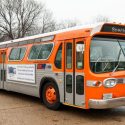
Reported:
(107, 55)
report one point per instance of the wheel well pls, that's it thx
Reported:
(43, 82)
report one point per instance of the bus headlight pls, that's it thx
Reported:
(110, 82)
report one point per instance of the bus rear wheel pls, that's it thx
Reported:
(51, 96)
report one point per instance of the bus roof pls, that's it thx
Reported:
(93, 28)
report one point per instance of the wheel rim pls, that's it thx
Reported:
(51, 94)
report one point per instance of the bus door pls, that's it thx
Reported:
(2, 68)
(74, 72)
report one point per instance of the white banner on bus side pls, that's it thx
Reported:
(23, 73)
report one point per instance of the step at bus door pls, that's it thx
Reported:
(74, 72)
(2, 68)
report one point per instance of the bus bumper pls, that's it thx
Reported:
(108, 103)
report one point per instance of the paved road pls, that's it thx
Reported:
(19, 109)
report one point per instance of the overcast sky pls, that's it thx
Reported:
(86, 10)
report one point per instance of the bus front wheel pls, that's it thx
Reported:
(51, 96)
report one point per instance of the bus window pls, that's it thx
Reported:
(17, 53)
(22, 52)
(69, 83)
(41, 51)
(107, 55)
(13, 54)
(69, 56)
(45, 51)
(34, 52)
(80, 55)
(80, 85)
(58, 59)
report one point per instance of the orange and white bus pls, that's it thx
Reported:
(82, 67)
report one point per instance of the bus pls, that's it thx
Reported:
(83, 67)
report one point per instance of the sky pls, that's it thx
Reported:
(85, 11)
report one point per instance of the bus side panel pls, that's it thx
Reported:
(21, 87)
(43, 68)
(33, 89)
(58, 77)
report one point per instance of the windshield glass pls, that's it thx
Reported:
(107, 55)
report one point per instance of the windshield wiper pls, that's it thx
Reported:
(118, 62)
(106, 66)
(97, 62)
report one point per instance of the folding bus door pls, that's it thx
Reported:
(79, 72)
(68, 71)
(74, 72)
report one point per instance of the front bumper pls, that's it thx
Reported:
(108, 103)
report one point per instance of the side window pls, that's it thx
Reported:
(58, 59)
(69, 55)
(41, 51)
(80, 55)
(22, 52)
(79, 85)
(69, 83)
(34, 52)
(17, 53)
(45, 51)
(13, 54)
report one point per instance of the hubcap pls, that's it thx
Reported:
(51, 94)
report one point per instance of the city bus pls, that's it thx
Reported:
(83, 67)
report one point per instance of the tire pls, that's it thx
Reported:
(51, 96)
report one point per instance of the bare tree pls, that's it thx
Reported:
(17, 17)
(48, 24)
(67, 24)
(47, 21)
(101, 18)
(45, 24)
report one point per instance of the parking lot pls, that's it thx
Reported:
(19, 109)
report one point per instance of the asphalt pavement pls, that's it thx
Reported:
(19, 109)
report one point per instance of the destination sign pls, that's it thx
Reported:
(113, 28)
